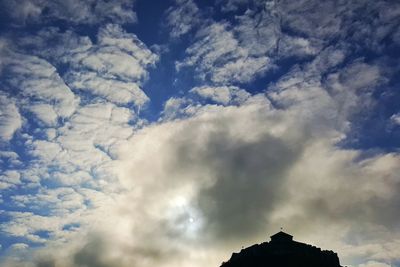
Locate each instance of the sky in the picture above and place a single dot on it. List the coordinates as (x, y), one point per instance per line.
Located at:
(173, 133)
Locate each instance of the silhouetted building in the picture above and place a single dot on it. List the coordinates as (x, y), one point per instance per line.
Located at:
(283, 251)
(281, 237)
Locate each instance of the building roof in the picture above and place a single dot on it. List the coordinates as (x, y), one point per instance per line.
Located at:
(282, 251)
(281, 236)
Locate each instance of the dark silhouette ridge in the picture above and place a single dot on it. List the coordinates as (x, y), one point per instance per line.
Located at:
(283, 251)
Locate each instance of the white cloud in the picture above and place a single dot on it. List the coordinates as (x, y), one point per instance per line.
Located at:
(352, 87)
(220, 152)
(45, 113)
(266, 32)
(9, 154)
(114, 68)
(84, 12)
(38, 81)
(242, 51)
(231, 5)
(324, 21)
(46, 151)
(303, 17)
(374, 264)
(327, 60)
(64, 43)
(167, 194)
(259, 30)
(296, 46)
(100, 123)
(9, 179)
(208, 159)
(70, 179)
(118, 55)
(81, 152)
(12, 177)
(360, 76)
(26, 10)
(26, 224)
(395, 118)
(222, 94)
(10, 118)
(177, 107)
(59, 201)
(105, 61)
(113, 90)
(217, 55)
(189, 172)
(20, 246)
(182, 18)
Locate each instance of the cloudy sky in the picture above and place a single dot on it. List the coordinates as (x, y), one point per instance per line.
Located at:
(172, 133)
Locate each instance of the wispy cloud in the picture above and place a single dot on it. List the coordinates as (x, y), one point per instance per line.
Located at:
(10, 118)
(183, 18)
(218, 56)
(87, 12)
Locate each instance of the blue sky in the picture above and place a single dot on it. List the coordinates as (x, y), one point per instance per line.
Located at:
(173, 133)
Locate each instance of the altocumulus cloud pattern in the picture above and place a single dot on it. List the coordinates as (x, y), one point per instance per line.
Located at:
(171, 133)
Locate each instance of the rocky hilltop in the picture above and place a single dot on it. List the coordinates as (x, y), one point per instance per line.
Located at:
(283, 251)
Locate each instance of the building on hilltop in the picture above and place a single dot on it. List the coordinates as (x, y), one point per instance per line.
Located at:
(283, 251)
(281, 237)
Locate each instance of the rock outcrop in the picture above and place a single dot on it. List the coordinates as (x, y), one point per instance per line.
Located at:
(283, 251)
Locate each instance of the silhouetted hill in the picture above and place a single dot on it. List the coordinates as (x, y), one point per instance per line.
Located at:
(283, 251)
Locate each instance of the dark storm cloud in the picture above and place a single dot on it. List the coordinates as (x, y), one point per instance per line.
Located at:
(92, 254)
(248, 176)
(46, 263)
(245, 178)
